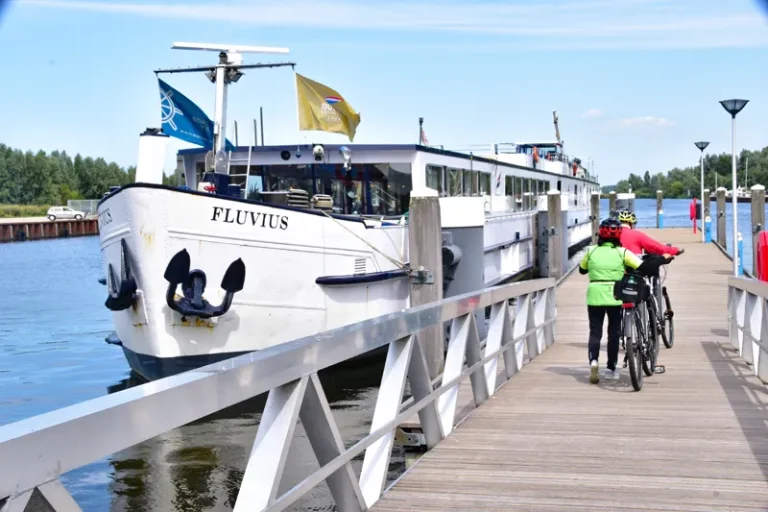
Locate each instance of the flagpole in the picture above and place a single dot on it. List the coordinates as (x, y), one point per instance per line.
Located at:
(298, 115)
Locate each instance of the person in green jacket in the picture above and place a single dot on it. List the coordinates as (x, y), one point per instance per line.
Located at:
(605, 263)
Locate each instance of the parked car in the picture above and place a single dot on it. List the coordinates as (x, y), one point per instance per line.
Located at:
(64, 212)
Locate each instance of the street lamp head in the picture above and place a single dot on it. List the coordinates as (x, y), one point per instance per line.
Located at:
(734, 106)
(702, 145)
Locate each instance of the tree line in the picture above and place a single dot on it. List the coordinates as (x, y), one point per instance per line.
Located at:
(685, 182)
(28, 178)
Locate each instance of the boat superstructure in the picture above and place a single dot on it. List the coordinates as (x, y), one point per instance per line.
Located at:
(292, 240)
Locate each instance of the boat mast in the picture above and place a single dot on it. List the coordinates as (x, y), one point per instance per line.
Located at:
(227, 71)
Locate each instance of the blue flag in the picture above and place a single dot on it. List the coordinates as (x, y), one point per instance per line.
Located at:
(182, 119)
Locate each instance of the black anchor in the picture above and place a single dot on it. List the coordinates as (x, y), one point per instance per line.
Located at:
(193, 285)
(122, 293)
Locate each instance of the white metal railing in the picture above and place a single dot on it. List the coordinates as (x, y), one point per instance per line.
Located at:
(748, 322)
(36, 452)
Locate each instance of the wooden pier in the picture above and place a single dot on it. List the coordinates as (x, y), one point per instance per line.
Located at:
(38, 228)
(693, 439)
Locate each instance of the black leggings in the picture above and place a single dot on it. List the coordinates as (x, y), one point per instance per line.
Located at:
(596, 317)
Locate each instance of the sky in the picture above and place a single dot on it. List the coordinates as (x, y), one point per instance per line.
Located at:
(635, 82)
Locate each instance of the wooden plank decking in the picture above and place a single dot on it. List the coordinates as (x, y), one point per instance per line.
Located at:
(694, 439)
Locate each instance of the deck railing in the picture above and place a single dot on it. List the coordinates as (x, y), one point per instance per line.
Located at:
(37, 451)
(748, 321)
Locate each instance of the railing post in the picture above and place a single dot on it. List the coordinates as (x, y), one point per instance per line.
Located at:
(758, 220)
(612, 204)
(707, 223)
(720, 196)
(659, 209)
(595, 214)
(556, 234)
(425, 244)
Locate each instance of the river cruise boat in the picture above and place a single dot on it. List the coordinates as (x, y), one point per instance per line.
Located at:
(256, 246)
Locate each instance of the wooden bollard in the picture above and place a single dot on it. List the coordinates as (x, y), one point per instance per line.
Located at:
(425, 246)
(659, 209)
(720, 197)
(612, 204)
(555, 234)
(594, 211)
(758, 219)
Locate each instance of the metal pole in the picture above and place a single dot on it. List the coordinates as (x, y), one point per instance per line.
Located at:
(237, 142)
(733, 198)
(255, 133)
(421, 130)
(701, 159)
(220, 109)
(261, 122)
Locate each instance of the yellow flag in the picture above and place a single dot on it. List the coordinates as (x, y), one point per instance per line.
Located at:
(321, 108)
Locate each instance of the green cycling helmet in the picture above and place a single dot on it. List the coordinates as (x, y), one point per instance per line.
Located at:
(626, 216)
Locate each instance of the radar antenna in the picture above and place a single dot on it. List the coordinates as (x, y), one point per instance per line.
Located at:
(227, 71)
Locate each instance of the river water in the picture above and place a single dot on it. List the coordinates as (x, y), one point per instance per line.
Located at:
(52, 354)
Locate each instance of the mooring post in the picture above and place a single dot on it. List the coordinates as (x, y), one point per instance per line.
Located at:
(425, 244)
(612, 204)
(720, 197)
(707, 222)
(758, 220)
(594, 205)
(659, 209)
(555, 234)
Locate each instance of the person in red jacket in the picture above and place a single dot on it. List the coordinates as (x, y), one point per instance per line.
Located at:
(637, 241)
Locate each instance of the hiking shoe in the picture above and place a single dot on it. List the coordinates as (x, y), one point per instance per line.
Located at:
(594, 376)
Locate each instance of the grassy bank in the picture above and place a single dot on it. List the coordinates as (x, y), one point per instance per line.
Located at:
(22, 210)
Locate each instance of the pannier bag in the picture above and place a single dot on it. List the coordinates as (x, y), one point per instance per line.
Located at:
(631, 289)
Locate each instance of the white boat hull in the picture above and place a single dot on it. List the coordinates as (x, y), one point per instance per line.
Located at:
(284, 251)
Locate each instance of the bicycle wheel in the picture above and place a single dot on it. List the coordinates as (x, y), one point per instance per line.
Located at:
(652, 345)
(668, 325)
(634, 354)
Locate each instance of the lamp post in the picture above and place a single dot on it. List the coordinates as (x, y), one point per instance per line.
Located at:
(702, 145)
(733, 107)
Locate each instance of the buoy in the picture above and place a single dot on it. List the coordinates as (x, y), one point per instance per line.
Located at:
(761, 265)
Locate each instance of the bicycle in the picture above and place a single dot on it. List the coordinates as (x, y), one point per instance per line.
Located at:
(666, 325)
(639, 328)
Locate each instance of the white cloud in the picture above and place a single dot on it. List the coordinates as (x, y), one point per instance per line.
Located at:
(592, 113)
(647, 120)
(602, 23)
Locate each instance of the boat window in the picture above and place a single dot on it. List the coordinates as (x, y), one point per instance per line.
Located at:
(526, 194)
(485, 184)
(454, 182)
(518, 194)
(284, 177)
(470, 183)
(390, 186)
(509, 190)
(435, 178)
